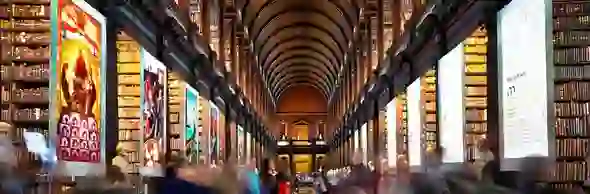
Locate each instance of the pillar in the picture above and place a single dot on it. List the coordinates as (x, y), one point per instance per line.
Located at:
(376, 133)
(112, 113)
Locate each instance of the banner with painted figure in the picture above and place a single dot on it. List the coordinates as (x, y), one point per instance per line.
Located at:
(76, 86)
(153, 109)
(192, 122)
(241, 144)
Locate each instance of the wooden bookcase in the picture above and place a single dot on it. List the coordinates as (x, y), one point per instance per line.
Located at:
(475, 80)
(571, 37)
(25, 40)
(129, 100)
(204, 126)
(176, 114)
(429, 110)
(403, 129)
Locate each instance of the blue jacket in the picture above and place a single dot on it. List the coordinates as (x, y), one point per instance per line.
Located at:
(253, 183)
(173, 185)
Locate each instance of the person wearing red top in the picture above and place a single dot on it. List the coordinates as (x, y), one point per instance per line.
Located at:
(284, 187)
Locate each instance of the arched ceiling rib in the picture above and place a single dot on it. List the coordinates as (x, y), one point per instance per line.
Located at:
(300, 34)
(297, 81)
(314, 51)
(301, 63)
(287, 43)
(295, 54)
(301, 71)
(300, 42)
(283, 90)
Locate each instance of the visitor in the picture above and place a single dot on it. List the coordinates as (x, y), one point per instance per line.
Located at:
(434, 171)
(226, 181)
(11, 182)
(252, 179)
(283, 177)
(531, 170)
(117, 178)
(360, 176)
(181, 178)
(268, 178)
(319, 183)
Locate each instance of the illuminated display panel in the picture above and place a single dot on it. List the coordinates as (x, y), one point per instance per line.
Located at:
(76, 86)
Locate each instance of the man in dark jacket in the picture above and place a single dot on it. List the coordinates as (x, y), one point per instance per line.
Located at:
(173, 184)
(532, 168)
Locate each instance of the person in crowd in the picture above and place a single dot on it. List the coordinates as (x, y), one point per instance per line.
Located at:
(434, 171)
(532, 169)
(283, 177)
(268, 178)
(360, 175)
(489, 175)
(396, 178)
(228, 175)
(319, 184)
(252, 179)
(355, 190)
(116, 177)
(387, 183)
(324, 177)
(99, 190)
(181, 178)
(120, 159)
(11, 181)
(483, 155)
(490, 172)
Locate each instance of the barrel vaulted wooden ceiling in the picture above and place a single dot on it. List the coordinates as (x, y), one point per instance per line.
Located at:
(300, 42)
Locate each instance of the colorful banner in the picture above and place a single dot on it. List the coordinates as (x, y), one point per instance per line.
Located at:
(241, 144)
(248, 146)
(153, 108)
(192, 122)
(77, 66)
(213, 136)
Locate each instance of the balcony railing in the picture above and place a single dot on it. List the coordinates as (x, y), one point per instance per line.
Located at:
(292, 142)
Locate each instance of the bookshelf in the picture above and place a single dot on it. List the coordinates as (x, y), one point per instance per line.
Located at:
(572, 83)
(398, 128)
(475, 50)
(176, 114)
(24, 71)
(195, 14)
(204, 119)
(429, 107)
(199, 130)
(129, 100)
(403, 129)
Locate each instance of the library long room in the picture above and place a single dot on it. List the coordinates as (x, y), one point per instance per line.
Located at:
(306, 92)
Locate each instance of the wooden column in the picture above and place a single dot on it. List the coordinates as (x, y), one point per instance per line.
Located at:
(360, 67)
(243, 64)
(233, 54)
(369, 48)
(239, 61)
(222, 37)
(377, 148)
(345, 90)
(380, 23)
(111, 85)
(349, 82)
(205, 26)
